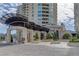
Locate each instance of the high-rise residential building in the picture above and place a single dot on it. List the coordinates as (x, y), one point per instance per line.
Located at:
(43, 14)
(76, 16)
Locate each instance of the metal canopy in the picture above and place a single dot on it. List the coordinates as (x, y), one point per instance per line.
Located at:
(20, 20)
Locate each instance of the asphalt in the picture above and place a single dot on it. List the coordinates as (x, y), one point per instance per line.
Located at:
(37, 50)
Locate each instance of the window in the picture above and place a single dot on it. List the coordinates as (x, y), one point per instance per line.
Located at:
(44, 22)
(45, 8)
(45, 11)
(39, 15)
(39, 8)
(32, 11)
(39, 4)
(39, 18)
(44, 18)
(32, 15)
(45, 15)
(39, 11)
(45, 4)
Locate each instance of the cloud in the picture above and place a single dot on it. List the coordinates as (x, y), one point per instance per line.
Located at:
(66, 15)
(3, 28)
(6, 8)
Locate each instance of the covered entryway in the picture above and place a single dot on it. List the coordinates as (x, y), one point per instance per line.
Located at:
(13, 36)
(25, 29)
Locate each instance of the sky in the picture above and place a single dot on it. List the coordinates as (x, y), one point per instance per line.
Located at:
(6, 8)
(65, 14)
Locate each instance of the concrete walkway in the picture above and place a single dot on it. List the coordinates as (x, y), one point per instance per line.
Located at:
(39, 49)
(31, 50)
(61, 45)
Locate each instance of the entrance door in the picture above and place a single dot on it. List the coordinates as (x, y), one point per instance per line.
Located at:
(28, 36)
(13, 36)
(42, 36)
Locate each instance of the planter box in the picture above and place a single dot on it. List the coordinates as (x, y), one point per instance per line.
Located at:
(64, 40)
(46, 40)
(74, 44)
(35, 41)
(55, 42)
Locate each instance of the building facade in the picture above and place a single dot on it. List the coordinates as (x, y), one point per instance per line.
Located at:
(32, 19)
(76, 16)
(41, 13)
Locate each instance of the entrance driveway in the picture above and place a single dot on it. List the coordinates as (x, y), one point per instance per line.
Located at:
(39, 49)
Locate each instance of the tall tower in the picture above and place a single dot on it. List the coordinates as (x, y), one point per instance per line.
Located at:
(76, 16)
(40, 13)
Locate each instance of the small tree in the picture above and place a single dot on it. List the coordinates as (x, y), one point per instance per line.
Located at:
(36, 37)
(2, 38)
(55, 36)
(78, 35)
(73, 39)
(48, 36)
(66, 36)
(11, 38)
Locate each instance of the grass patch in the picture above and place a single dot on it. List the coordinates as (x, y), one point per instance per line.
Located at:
(74, 40)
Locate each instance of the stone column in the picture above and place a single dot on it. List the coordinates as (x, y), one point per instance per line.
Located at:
(39, 35)
(44, 35)
(59, 34)
(24, 34)
(19, 36)
(8, 36)
(31, 35)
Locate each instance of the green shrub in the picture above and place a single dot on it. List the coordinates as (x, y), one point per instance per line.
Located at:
(36, 37)
(1, 38)
(48, 36)
(74, 39)
(11, 38)
(55, 36)
(66, 36)
(78, 35)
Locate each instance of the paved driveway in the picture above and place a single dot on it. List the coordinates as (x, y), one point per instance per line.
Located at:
(37, 50)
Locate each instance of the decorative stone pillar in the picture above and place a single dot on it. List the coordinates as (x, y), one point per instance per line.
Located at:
(19, 36)
(31, 35)
(24, 35)
(61, 33)
(44, 35)
(39, 35)
(8, 36)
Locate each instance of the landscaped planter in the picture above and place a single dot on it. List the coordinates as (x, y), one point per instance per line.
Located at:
(65, 40)
(35, 41)
(73, 44)
(46, 40)
(55, 42)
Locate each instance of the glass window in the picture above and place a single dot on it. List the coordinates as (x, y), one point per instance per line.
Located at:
(39, 8)
(39, 15)
(39, 4)
(39, 11)
(39, 18)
